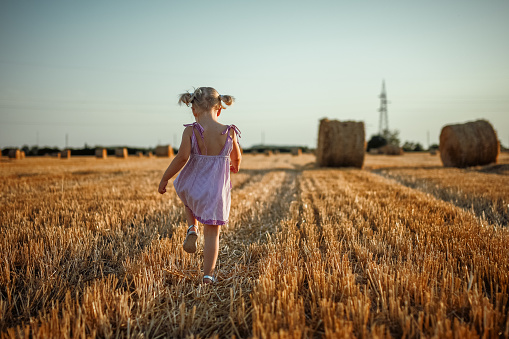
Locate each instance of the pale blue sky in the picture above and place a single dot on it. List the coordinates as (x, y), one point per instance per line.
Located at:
(109, 72)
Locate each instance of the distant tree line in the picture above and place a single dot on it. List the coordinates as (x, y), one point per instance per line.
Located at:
(86, 150)
(392, 138)
(42, 151)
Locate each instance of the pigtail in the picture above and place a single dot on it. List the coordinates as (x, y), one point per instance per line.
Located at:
(227, 99)
(186, 98)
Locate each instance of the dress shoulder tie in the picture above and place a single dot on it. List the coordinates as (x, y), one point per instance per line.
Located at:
(199, 128)
(196, 126)
(235, 128)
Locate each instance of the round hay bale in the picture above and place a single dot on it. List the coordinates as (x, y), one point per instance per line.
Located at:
(101, 153)
(65, 154)
(268, 152)
(14, 154)
(341, 143)
(473, 143)
(391, 150)
(296, 151)
(121, 152)
(164, 151)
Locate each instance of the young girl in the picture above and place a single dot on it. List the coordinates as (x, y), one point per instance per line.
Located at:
(204, 183)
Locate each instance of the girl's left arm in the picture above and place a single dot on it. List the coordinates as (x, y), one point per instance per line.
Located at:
(179, 161)
(235, 155)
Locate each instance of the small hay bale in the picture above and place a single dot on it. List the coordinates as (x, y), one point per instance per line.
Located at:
(341, 143)
(473, 143)
(433, 152)
(14, 154)
(150, 154)
(101, 153)
(391, 150)
(65, 154)
(139, 154)
(296, 151)
(165, 151)
(22, 155)
(55, 155)
(268, 152)
(121, 152)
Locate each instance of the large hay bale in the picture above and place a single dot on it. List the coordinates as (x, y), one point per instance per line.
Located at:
(121, 152)
(341, 143)
(101, 153)
(164, 151)
(14, 154)
(473, 143)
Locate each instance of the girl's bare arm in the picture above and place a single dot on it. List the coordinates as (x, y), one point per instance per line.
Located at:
(179, 161)
(235, 155)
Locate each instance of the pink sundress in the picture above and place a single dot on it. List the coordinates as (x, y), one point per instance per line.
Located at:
(204, 184)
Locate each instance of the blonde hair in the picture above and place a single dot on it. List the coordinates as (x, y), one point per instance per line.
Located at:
(206, 98)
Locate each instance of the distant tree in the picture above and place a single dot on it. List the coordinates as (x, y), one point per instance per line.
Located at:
(376, 141)
(408, 146)
(392, 137)
(34, 150)
(433, 146)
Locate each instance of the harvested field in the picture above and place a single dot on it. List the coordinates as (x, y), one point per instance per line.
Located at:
(88, 248)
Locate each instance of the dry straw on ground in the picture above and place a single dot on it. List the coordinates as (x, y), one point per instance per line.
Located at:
(89, 249)
(121, 152)
(164, 151)
(101, 153)
(340, 143)
(470, 144)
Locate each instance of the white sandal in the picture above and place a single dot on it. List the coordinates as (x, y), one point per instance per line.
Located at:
(209, 277)
(190, 241)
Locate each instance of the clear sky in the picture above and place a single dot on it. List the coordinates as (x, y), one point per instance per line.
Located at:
(109, 72)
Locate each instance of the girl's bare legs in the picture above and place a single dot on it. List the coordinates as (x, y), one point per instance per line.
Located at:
(210, 248)
(191, 220)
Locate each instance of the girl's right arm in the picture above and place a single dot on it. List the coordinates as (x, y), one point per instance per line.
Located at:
(179, 161)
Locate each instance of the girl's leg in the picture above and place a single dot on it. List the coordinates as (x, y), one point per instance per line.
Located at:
(191, 238)
(210, 248)
(191, 220)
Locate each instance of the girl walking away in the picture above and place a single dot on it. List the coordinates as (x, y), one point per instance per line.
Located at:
(211, 151)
